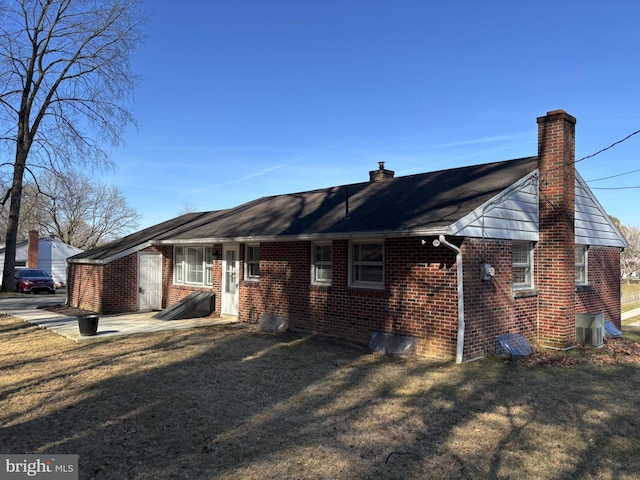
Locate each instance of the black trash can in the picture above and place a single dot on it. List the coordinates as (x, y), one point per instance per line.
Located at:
(88, 324)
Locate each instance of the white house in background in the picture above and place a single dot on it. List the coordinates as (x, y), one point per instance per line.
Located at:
(51, 256)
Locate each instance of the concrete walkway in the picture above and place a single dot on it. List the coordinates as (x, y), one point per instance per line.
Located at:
(26, 308)
(630, 314)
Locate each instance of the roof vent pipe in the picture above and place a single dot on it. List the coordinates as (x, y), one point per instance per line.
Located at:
(460, 346)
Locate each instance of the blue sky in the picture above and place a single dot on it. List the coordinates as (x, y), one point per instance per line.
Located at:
(247, 98)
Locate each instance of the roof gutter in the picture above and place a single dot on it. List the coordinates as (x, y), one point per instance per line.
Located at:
(301, 237)
(460, 346)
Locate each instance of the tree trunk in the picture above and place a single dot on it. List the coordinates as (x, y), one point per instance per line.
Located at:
(8, 280)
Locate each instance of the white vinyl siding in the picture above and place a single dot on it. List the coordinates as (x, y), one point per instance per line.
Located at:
(512, 214)
(593, 225)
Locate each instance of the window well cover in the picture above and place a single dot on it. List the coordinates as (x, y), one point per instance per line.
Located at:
(514, 344)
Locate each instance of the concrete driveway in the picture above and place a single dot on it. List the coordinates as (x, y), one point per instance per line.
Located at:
(25, 307)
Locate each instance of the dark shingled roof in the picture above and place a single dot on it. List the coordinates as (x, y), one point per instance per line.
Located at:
(413, 204)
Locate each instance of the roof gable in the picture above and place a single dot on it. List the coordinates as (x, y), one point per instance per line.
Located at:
(513, 215)
(593, 225)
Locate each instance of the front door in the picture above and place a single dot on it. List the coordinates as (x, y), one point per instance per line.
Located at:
(230, 266)
(149, 281)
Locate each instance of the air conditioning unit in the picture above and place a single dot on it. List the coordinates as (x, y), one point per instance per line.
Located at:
(590, 329)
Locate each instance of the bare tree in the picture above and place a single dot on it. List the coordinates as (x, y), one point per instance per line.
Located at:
(64, 79)
(84, 214)
(31, 212)
(630, 258)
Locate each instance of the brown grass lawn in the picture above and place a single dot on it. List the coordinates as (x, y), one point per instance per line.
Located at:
(232, 403)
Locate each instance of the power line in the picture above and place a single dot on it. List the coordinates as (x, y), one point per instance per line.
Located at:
(610, 146)
(615, 188)
(614, 176)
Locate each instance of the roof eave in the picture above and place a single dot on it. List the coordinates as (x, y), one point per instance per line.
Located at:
(305, 237)
(111, 258)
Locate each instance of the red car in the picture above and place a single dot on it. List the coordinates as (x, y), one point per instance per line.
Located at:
(34, 280)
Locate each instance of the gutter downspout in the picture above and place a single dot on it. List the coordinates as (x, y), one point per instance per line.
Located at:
(460, 346)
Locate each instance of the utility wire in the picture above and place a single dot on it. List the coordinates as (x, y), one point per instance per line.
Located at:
(610, 146)
(615, 188)
(613, 176)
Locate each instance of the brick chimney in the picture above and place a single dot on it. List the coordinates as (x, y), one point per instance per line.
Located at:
(555, 265)
(32, 249)
(380, 174)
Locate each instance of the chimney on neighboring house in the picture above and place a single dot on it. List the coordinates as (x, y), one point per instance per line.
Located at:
(32, 249)
(380, 174)
(554, 268)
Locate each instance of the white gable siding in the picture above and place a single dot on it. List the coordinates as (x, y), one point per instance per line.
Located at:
(512, 214)
(593, 226)
(52, 257)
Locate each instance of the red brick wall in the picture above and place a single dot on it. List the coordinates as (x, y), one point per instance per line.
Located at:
(555, 272)
(84, 286)
(419, 298)
(602, 292)
(112, 287)
(491, 309)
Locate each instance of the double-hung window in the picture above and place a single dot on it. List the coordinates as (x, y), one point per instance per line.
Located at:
(321, 267)
(208, 265)
(581, 265)
(252, 262)
(366, 264)
(522, 265)
(193, 266)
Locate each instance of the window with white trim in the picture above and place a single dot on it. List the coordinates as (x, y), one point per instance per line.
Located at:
(321, 266)
(252, 262)
(366, 264)
(208, 265)
(581, 265)
(193, 265)
(522, 265)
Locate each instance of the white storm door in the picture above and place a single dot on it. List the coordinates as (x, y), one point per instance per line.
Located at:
(230, 266)
(149, 281)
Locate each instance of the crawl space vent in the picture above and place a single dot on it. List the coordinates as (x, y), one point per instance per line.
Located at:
(610, 330)
(514, 345)
(392, 343)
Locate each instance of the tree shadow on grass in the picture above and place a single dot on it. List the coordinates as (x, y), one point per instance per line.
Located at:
(219, 403)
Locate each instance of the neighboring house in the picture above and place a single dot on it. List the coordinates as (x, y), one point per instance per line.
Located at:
(48, 253)
(453, 258)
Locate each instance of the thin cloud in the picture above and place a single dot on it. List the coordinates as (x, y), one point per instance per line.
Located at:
(241, 179)
(475, 141)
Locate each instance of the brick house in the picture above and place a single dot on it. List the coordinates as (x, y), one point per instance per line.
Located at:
(453, 258)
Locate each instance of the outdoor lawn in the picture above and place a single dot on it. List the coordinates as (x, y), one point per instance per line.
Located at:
(233, 403)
